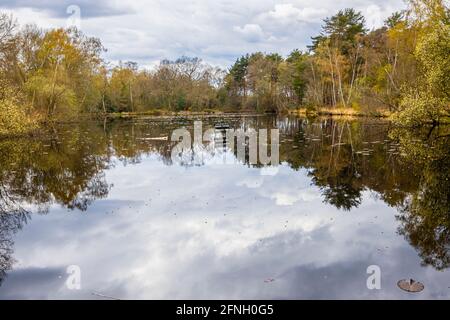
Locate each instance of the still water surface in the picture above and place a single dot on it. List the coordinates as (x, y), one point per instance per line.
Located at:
(106, 196)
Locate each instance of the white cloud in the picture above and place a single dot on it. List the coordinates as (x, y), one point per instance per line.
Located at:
(288, 12)
(376, 15)
(250, 32)
(290, 198)
(219, 31)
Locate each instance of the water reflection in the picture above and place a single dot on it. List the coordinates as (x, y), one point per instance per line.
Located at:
(425, 212)
(343, 160)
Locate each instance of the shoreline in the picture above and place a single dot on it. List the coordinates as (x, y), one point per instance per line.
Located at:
(349, 112)
(164, 114)
(300, 111)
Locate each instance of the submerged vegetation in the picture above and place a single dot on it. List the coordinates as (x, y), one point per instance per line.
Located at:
(402, 69)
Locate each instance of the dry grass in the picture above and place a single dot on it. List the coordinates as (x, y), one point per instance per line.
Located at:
(341, 112)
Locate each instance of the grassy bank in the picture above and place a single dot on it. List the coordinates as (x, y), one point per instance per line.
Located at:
(162, 112)
(301, 111)
(340, 112)
(444, 117)
(29, 126)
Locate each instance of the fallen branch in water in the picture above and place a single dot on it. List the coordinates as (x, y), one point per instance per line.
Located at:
(104, 296)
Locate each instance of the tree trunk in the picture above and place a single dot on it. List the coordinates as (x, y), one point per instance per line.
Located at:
(52, 103)
(334, 99)
(341, 92)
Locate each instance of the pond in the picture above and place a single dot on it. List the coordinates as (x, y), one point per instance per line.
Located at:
(107, 200)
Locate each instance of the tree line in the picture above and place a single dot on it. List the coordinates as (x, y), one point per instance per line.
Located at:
(402, 67)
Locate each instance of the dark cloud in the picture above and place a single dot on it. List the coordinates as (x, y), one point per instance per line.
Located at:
(59, 9)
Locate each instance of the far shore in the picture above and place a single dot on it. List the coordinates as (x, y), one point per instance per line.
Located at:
(341, 113)
(349, 112)
(299, 111)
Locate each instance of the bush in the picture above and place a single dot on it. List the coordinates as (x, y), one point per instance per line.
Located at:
(431, 101)
(419, 108)
(13, 118)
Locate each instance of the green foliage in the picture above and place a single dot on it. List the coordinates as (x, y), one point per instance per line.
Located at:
(425, 219)
(429, 100)
(13, 117)
(342, 29)
(299, 64)
(418, 108)
(433, 52)
(181, 103)
(267, 82)
(395, 19)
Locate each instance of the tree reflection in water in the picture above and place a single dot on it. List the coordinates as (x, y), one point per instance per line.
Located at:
(425, 214)
(407, 170)
(12, 219)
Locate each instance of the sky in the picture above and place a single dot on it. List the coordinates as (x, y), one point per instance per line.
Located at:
(219, 31)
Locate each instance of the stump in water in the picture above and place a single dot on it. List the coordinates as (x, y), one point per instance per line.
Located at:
(410, 286)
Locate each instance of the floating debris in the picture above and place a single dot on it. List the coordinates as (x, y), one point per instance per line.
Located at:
(339, 144)
(222, 126)
(155, 139)
(103, 296)
(410, 286)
